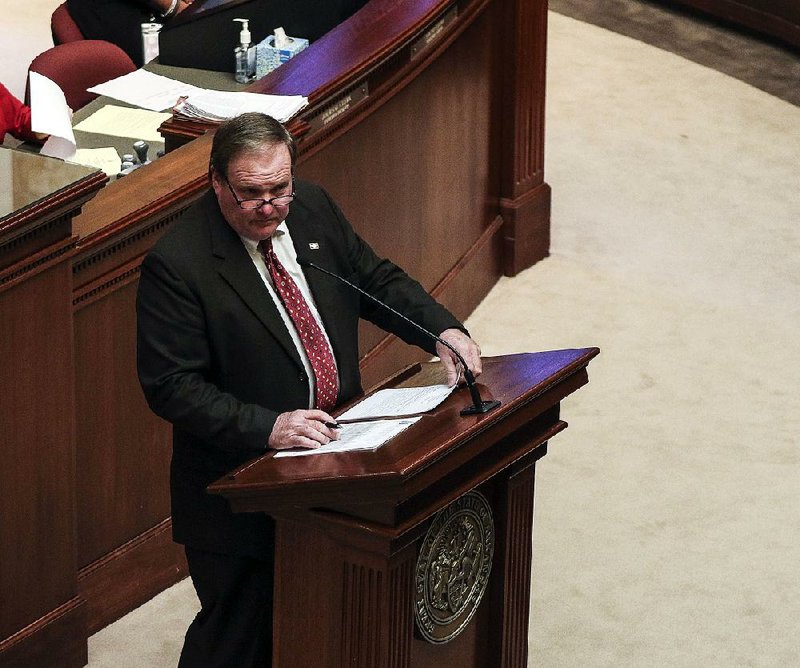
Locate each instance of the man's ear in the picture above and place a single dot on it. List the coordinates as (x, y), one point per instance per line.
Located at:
(216, 180)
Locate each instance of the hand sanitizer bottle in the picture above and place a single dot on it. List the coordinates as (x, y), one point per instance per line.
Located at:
(245, 55)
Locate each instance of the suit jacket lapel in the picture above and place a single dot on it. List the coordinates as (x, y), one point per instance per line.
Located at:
(234, 264)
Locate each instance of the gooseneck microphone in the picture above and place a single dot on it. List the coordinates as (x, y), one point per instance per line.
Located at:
(479, 406)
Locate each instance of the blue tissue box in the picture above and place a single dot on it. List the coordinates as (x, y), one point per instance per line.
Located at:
(268, 57)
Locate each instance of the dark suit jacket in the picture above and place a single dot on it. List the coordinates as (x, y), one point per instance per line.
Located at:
(216, 360)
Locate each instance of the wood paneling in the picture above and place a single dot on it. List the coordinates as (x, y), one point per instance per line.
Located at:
(350, 526)
(425, 124)
(42, 620)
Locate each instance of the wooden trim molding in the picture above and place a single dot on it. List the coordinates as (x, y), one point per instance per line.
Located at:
(56, 640)
(130, 575)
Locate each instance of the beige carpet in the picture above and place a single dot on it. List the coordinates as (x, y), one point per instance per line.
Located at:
(668, 514)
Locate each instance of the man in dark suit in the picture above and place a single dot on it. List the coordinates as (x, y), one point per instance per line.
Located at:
(222, 358)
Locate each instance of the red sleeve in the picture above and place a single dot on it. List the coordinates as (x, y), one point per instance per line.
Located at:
(15, 117)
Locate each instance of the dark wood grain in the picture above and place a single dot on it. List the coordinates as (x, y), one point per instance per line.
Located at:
(349, 525)
(42, 619)
(436, 156)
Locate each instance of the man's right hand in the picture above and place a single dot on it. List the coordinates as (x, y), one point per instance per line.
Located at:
(302, 429)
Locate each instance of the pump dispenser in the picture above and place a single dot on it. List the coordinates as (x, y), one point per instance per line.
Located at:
(245, 55)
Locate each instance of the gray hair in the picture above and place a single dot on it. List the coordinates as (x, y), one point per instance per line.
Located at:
(243, 134)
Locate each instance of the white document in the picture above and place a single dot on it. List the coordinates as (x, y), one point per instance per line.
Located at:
(215, 105)
(50, 115)
(399, 401)
(360, 436)
(157, 93)
(106, 159)
(125, 122)
(145, 89)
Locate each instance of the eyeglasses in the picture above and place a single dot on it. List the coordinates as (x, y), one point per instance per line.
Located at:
(249, 204)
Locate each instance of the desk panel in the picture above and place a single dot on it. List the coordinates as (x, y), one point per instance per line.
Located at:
(425, 122)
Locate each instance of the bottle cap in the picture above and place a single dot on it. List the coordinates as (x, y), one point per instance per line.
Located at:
(244, 35)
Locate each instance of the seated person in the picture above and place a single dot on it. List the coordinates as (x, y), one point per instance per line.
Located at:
(120, 21)
(15, 118)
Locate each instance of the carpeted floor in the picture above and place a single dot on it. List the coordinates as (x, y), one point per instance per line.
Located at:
(668, 514)
(755, 59)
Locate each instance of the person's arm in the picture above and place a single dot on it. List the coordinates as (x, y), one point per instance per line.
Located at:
(174, 364)
(17, 117)
(389, 283)
(166, 9)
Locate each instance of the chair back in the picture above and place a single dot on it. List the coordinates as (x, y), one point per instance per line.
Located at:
(76, 66)
(63, 27)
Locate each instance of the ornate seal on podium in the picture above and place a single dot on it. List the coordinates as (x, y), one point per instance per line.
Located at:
(453, 567)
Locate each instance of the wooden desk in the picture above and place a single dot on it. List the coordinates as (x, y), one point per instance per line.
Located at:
(39, 604)
(426, 124)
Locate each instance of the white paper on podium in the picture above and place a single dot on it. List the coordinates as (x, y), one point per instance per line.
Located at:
(359, 436)
(399, 401)
(51, 115)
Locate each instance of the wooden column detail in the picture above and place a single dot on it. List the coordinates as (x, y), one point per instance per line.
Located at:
(525, 197)
(513, 566)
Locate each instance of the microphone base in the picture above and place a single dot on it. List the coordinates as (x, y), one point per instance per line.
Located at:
(485, 407)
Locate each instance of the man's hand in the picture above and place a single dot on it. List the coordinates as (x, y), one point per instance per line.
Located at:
(302, 429)
(466, 347)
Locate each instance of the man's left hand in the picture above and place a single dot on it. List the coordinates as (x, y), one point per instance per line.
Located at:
(466, 347)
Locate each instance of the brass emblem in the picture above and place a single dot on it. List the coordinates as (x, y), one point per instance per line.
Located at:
(453, 567)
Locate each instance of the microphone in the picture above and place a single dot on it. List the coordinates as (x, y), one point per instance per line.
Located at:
(479, 406)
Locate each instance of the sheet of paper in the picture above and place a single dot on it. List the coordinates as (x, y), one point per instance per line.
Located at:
(399, 401)
(145, 89)
(125, 122)
(50, 115)
(360, 436)
(106, 159)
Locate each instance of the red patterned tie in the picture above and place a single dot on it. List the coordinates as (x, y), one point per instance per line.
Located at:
(318, 351)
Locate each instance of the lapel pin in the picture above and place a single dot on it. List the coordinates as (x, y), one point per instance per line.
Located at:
(313, 245)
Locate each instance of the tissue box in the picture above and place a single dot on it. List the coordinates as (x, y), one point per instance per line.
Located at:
(268, 57)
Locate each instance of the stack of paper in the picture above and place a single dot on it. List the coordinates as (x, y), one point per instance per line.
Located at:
(157, 93)
(216, 106)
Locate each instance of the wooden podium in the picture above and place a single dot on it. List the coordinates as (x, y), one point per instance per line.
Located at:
(417, 553)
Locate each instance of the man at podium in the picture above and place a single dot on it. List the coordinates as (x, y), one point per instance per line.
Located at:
(244, 351)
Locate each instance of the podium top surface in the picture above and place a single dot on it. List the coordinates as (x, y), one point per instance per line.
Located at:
(527, 385)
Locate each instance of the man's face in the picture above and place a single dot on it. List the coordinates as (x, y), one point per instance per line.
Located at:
(263, 173)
